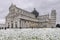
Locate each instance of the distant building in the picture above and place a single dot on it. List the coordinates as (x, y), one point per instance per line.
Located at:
(19, 18)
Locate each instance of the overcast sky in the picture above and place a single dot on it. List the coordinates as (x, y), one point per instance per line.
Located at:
(42, 6)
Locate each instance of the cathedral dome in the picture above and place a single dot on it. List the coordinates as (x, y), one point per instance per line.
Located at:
(35, 13)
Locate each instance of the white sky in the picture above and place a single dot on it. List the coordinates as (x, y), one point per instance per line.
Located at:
(42, 6)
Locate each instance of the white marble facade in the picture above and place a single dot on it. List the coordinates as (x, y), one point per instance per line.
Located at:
(19, 18)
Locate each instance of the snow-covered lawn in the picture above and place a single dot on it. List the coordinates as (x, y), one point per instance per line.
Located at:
(30, 34)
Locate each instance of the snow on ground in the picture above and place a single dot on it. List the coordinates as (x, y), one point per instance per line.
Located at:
(30, 34)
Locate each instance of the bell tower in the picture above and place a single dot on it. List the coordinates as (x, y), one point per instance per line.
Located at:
(53, 14)
(53, 18)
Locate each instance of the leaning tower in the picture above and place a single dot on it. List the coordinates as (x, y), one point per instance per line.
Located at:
(53, 18)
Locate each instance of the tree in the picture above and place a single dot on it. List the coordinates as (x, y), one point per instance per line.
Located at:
(58, 25)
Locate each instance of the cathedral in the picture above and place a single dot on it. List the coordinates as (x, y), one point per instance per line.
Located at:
(19, 18)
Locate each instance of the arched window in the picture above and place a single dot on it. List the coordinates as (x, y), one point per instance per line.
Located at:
(11, 24)
(16, 24)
